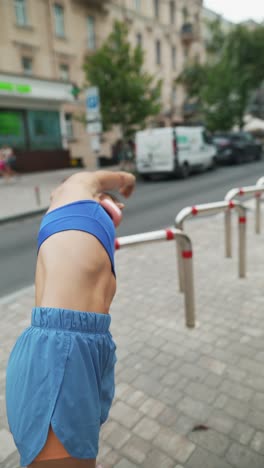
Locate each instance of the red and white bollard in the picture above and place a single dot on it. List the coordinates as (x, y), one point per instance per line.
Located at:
(187, 263)
(37, 195)
(211, 208)
(256, 191)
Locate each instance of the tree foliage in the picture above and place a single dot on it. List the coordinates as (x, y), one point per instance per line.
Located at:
(225, 83)
(128, 94)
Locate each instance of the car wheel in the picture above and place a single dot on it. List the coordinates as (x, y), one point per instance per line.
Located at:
(185, 171)
(258, 156)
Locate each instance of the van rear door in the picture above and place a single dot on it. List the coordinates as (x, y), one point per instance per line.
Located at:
(154, 150)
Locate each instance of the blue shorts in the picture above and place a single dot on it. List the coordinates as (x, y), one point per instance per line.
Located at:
(60, 373)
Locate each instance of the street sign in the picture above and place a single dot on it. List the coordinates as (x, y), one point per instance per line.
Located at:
(95, 143)
(92, 103)
(94, 127)
(93, 116)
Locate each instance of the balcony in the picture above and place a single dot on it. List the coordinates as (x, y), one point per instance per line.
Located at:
(188, 33)
(98, 4)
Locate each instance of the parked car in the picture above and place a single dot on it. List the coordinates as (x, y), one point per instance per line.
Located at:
(237, 147)
(168, 150)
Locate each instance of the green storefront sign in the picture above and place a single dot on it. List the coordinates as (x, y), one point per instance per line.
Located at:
(15, 88)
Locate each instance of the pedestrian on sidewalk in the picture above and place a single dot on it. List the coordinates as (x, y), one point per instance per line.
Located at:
(60, 374)
(3, 167)
(10, 160)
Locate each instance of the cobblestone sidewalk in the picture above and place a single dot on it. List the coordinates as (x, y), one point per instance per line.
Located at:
(171, 379)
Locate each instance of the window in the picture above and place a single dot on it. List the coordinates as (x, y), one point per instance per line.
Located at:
(27, 65)
(174, 96)
(197, 58)
(156, 8)
(91, 32)
(173, 57)
(44, 129)
(64, 72)
(139, 40)
(158, 52)
(12, 130)
(137, 4)
(69, 126)
(59, 20)
(172, 12)
(21, 12)
(186, 51)
(185, 14)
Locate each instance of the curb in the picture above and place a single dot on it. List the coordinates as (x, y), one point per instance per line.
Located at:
(21, 216)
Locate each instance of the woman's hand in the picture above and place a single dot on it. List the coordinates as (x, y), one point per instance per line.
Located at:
(103, 181)
(128, 185)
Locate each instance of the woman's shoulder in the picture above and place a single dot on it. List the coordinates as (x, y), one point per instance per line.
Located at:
(71, 189)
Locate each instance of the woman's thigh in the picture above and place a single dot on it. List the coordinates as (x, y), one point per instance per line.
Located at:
(64, 463)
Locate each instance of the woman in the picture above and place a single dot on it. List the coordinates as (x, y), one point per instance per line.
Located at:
(60, 375)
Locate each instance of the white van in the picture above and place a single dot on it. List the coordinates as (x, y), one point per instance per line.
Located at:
(178, 151)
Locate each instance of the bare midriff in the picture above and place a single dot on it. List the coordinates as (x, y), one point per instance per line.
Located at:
(73, 269)
(74, 272)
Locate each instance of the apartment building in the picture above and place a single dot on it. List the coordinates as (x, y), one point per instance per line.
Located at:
(43, 44)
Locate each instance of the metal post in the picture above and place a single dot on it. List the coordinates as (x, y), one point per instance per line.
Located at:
(242, 246)
(222, 206)
(187, 257)
(37, 194)
(228, 234)
(186, 254)
(255, 190)
(180, 264)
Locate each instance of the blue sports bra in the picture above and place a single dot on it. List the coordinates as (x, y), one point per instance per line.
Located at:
(84, 215)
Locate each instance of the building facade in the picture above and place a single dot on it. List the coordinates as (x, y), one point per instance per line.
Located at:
(43, 44)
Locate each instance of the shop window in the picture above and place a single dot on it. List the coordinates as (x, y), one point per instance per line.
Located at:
(64, 72)
(158, 52)
(12, 132)
(21, 12)
(59, 20)
(69, 126)
(91, 42)
(44, 129)
(27, 65)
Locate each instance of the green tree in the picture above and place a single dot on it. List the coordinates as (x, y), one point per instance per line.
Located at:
(223, 86)
(129, 95)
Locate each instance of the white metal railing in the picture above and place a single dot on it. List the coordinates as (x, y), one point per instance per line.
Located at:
(187, 261)
(254, 190)
(211, 208)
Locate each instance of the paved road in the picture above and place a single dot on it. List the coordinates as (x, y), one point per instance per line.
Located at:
(153, 206)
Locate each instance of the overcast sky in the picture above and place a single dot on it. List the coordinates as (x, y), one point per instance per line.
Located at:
(238, 10)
